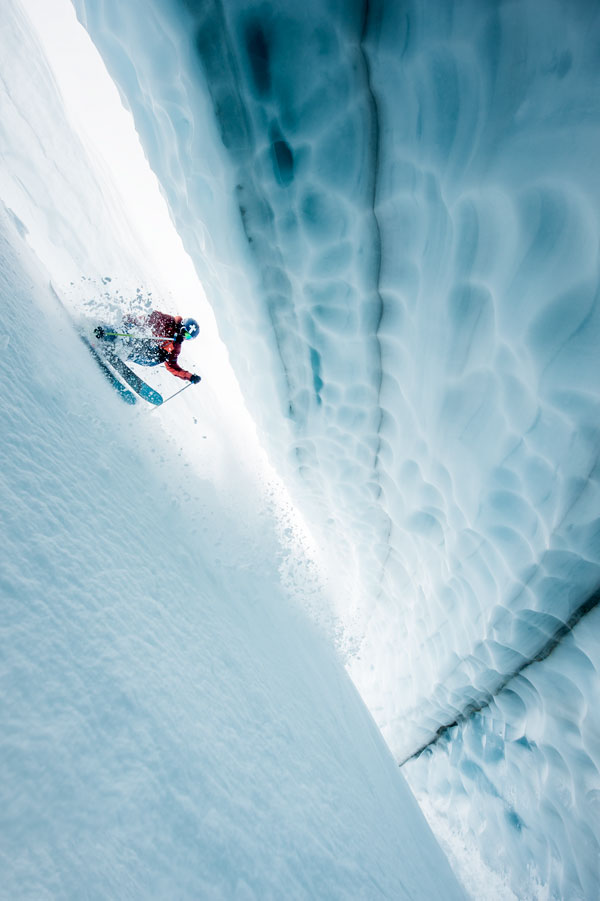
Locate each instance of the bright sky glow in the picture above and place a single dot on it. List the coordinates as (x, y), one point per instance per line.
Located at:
(106, 129)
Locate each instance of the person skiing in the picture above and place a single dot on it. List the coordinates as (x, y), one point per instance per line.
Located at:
(162, 344)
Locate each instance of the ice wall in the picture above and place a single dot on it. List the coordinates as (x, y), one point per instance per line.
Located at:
(395, 209)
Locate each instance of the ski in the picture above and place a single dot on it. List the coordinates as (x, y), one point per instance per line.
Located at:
(132, 379)
(109, 375)
(124, 393)
(105, 356)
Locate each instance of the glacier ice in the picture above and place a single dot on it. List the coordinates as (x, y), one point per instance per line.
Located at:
(394, 209)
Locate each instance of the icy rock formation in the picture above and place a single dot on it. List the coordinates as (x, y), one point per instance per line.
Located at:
(395, 208)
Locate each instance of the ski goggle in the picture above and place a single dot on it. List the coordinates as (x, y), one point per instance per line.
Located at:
(189, 328)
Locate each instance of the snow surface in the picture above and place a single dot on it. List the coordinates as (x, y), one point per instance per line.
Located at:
(173, 725)
(394, 209)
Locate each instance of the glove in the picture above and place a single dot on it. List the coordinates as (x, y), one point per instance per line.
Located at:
(99, 331)
(195, 379)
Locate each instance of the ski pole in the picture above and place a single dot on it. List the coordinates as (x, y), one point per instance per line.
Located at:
(189, 385)
(140, 337)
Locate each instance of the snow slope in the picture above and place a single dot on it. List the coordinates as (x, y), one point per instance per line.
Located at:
(395, 209)
(172, 726)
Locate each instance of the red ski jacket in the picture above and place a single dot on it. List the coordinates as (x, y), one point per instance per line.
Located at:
(163, 325)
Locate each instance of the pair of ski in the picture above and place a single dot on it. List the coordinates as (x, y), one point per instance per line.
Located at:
(110, 364)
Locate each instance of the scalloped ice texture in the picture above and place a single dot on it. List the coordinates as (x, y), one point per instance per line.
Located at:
(394, 210)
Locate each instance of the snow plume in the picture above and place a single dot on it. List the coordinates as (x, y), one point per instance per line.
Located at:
(395, 211)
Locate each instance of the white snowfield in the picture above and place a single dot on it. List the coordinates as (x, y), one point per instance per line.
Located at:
(394, 210)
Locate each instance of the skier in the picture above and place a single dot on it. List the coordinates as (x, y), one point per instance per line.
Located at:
(162, 345)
